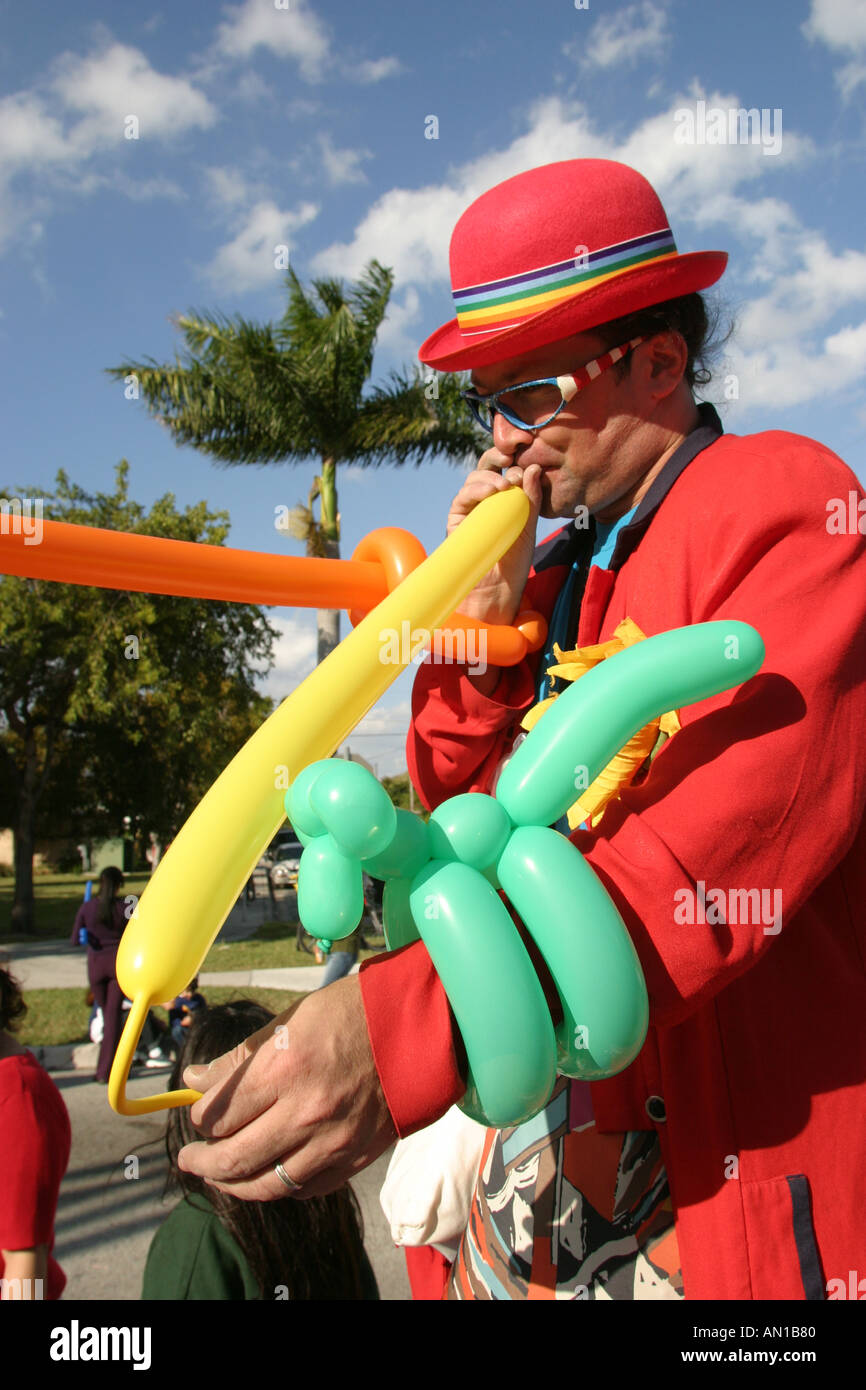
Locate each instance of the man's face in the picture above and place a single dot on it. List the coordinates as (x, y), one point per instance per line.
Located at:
(598, 447)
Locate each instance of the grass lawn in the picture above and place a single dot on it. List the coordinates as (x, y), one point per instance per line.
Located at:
(58, 898)
(273, 946)
(59, 1016)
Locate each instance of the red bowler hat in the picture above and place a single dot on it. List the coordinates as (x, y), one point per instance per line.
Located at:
(556, 251)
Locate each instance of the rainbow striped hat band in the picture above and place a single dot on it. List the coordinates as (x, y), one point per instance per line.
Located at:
(505, 303)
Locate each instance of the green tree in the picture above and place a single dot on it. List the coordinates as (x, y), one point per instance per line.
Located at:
(403, 794)
(116, 703)
(249, 393)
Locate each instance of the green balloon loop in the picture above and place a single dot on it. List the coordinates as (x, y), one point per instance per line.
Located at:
(354, 807)
(330, 890)
(593, 963)
(597, 715)
(492, 988)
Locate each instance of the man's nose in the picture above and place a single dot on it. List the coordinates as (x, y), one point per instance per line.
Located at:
(507, 437)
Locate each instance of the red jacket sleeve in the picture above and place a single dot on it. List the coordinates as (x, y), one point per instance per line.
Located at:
(458, 736)
(416, 1046)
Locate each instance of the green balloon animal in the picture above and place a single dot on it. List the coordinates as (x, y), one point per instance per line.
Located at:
(443, 878)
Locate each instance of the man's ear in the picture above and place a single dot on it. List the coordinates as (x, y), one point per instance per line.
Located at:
(665, 363)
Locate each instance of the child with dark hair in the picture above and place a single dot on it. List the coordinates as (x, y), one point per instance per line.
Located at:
(213, 1246)
(35, 1139)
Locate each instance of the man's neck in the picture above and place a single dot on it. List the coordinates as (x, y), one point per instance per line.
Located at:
(635, 495)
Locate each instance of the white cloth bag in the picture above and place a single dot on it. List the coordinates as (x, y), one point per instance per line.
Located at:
(430, 1182)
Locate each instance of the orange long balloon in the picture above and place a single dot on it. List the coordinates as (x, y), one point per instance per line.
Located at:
(89, 555)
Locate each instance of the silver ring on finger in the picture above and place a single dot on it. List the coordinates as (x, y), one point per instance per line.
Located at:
(284, 1178)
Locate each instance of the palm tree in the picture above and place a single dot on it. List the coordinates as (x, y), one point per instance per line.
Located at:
(249, 393)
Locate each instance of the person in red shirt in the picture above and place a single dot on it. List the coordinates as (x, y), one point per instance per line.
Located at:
(35, 1139)
(744, 1113)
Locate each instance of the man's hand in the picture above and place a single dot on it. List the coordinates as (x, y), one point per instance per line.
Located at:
(303, 1092)
(496, 597)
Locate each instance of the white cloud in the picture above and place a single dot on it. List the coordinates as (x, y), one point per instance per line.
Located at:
(227, 186)
(356, 473)
(301, 108)
(295, 32)
(407, 229)
(29, 133)
(52, 134)
(784, 354)
(815, 285)
(787, 373)
(386, 719)
(341, 166)
(399, 332)
(247, 261)
(118, 82)
(381, 735)
(374, 69)
(294, 653)
(841, 25)
(143, 190)
(624, 39)
(251, 89)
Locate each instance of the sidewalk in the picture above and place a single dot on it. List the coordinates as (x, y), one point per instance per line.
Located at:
(60, 965)
(57, 965)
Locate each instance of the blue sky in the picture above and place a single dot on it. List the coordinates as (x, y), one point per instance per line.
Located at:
(305, 126)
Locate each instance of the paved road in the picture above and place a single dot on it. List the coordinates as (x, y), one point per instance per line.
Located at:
(105, 1221)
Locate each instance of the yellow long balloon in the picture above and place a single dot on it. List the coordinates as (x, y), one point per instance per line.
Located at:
(182, 908)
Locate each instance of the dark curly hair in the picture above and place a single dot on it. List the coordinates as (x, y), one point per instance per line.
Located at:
(699, 324)
(12, 1006)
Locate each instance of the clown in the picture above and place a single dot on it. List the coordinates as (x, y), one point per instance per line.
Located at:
(725, 1161)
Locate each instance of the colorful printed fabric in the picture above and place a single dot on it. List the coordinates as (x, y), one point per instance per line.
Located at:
(564, 1212)
(509, 301)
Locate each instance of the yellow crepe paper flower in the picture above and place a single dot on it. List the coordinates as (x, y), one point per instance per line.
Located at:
(622, 769)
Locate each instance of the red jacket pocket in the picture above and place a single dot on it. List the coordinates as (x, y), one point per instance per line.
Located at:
(782, 1251)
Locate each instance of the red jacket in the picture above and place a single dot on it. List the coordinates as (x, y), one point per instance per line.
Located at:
(757, 1040)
